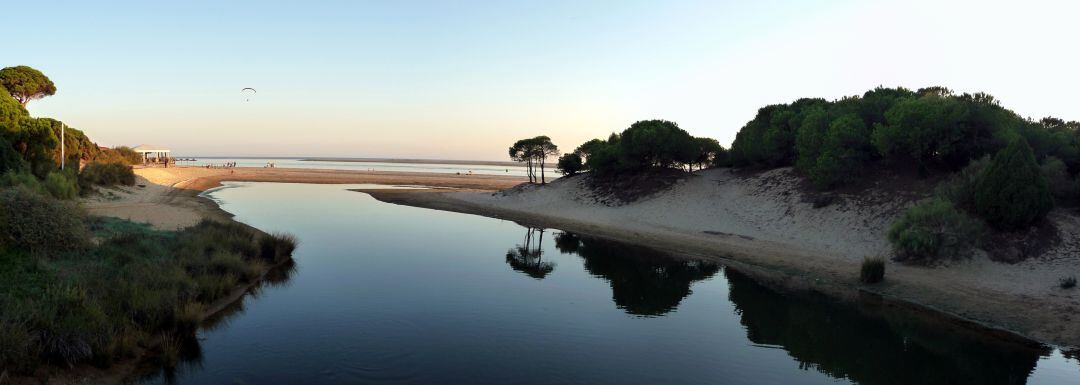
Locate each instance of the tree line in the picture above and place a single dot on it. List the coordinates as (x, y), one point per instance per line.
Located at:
(1004, 171)
(647, 144)
(30, 147)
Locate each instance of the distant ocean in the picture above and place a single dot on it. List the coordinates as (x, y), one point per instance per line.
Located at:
(399, 165)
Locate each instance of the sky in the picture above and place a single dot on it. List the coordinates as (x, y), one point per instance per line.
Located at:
(463, 80)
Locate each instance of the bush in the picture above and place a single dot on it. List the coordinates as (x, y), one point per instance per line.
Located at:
(60, 185)
(932, 231)
(845, 149)
(873, 270)
(10, 160)
(570, 164)
(39, 224)
(274, 248)
(106, 174)
(1057, 176)
(1012, 193)
(128, 155)
(960, 189)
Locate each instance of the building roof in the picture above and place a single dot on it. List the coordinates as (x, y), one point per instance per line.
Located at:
(150, 148)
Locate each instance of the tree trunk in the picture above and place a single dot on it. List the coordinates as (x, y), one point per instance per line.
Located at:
(528, 169)
(543, 179)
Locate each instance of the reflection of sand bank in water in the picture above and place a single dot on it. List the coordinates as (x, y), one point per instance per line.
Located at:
(765, 221)
(167, 198)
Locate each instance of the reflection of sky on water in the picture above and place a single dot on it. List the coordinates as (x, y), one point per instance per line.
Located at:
(393, 294)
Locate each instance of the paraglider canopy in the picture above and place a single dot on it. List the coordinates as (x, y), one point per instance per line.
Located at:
(247, 92)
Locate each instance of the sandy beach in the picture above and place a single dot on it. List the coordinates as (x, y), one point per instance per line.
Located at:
(167, 198)
(763, 222)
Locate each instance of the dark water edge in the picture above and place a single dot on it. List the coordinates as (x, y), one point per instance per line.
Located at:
(867, 341)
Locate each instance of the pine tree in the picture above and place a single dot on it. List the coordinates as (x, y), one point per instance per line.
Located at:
(1012, 194)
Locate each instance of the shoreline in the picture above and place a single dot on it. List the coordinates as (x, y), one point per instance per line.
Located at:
(168, 191)
(789, 268)
(170, 199)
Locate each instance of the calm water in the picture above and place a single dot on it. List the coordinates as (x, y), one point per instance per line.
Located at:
(385, 294)
(375, 166)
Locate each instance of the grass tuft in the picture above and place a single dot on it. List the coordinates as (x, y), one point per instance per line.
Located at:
(873, 270)
(1067, 282)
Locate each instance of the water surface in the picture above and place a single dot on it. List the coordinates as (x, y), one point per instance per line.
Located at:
(386, 294)
(432, 167)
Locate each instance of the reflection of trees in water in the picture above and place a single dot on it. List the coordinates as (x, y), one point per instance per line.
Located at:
(190, 352)
(643, 281)
(876, 345)
(528, 257)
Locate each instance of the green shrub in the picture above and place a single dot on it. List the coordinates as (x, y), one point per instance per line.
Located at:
(1012, 193)
(105, 174)
(570, 164)
(1062, 186)
(960, 188)
(845, 149)
(275, 247)
(60, 185)
(39, 224)
(10, 160)
(21, 178)
(873, 270)
(932, 231)
(128, 155)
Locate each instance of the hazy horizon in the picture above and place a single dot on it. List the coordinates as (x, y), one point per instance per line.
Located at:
(463, 81)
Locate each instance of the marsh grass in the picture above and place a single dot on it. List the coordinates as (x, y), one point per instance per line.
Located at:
(98, 303)
(873, 270)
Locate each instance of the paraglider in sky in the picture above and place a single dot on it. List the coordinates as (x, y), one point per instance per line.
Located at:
(247, 93)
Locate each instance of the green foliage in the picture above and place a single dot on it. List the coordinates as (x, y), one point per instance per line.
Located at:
(707, 152)
(1012, 193)
(105, 174)
(605, 158)
(534, 152)
(26, 84)
(570, 164)
(9, 159)
(38, 224)
(276, 247)
(655, 143)
(932, 129)
(650, 144)
(1057, 176)
(128, 155)
(61, 185)
(137, 285)
(960, 188)
(932, 231)
(872, 270)
(844, 150)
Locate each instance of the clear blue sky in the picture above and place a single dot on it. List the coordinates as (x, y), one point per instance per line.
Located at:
(464, 79)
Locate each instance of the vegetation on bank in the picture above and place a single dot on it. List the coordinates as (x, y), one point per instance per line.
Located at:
(69, 300)
(534, 152)
(81, 290)
(1004, 173)
(645, 145)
